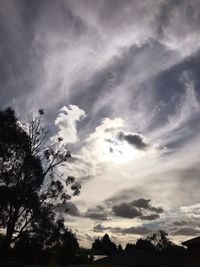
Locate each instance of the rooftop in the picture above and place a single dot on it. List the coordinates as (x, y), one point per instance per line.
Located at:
(193, 241)
(137, 257)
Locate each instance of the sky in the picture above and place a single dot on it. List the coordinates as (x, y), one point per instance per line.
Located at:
(119, 81)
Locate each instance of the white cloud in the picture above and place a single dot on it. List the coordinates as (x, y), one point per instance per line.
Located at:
(66, 123)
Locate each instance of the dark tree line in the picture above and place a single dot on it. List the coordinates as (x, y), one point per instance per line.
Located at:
(156, 243)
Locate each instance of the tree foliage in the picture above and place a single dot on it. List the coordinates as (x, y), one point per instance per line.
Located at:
(59, 245)
(30, 184)
(145, 244)
(160, 244)
(104, 246)
(160, 240)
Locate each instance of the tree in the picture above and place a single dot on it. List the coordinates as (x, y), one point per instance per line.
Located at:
(30, 184)
(160, 240)
(164, 246)
(108, 246)
(97, 247)
(129, 247)
(68, 249)
(119, 248)
(145, 244)
(104, 246)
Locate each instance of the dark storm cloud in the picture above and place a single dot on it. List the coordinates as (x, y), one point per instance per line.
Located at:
(139, 208)
(140, 230)
(135, 140)
(97, 213)
(187, 231)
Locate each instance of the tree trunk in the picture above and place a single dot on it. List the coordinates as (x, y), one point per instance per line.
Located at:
(9, 235)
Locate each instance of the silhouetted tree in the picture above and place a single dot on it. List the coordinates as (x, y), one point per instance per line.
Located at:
(145, 244)
(56, 244)
(119, 249)
(28, 249)
(108, 246)
(97, 247)
(30, 187)
(129, 247)
(160, 240)
(68, 248)
(104, 246)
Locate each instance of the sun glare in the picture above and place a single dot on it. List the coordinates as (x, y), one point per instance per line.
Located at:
(121, 152)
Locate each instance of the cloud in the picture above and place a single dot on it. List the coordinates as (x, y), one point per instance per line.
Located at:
(145, 204)
(126, 210)
(187, 220)
(97, 213)
(186, 231)
(180, 223)
(140, 230)
(66, 123)
(135, 140)
(139, 208)
(81, 167)
(122, 196)
(149, 217)
(179, 20)
(141, 203)
(193, 209)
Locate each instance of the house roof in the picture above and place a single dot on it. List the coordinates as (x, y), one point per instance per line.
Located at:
(193, 241)
(136, 258)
